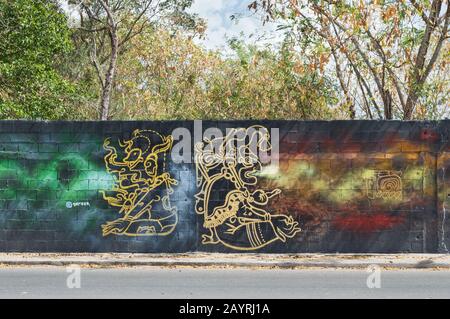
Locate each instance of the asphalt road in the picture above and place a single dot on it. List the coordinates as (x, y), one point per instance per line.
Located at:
(151, 282)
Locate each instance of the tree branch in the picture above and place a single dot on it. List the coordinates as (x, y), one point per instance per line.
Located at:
(417, 78)
(392, 75)
(438, 48)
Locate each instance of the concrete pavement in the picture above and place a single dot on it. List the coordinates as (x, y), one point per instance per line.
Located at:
(156, 282)
(231, 260)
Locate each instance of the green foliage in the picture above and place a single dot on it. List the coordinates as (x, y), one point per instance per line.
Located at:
(33, 37)
(264, 83)
(167, 76)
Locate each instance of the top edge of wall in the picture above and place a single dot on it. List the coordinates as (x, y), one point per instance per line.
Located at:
(227, 120)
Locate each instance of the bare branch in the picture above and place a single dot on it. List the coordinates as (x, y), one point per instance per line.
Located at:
(443, 36)
(392, 75)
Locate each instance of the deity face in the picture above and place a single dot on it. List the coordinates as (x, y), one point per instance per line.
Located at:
(135, 151)
(134, 156)
(151, 165)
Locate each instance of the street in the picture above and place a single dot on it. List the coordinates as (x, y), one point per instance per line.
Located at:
(153, 282)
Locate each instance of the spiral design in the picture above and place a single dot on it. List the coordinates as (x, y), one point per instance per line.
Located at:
(390, 183)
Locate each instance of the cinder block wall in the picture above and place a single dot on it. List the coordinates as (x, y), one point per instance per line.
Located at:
(340, 186)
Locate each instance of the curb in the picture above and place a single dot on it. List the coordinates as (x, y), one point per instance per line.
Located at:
(415, 261)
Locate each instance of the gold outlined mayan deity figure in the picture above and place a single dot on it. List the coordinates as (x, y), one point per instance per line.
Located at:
(142, 186)
(385, 185)
(237, 218)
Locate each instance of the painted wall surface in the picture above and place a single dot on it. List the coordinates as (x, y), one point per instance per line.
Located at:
(339, 186)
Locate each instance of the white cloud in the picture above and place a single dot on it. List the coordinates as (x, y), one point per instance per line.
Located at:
(217, 14)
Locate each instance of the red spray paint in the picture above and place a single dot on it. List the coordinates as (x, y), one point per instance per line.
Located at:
(367, 223)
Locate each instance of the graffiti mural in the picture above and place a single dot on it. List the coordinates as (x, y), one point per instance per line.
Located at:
(239, 220)
(142, 187)
(119, 186)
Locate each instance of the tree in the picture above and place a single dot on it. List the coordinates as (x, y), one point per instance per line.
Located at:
(160, 77)
(34, 36)
(385, 55)
(269, 83)
(107, 26)
(165, 75)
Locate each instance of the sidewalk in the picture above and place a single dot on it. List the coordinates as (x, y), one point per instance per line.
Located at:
(228, 260)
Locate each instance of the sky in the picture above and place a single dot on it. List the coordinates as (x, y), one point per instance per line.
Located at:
(220, 26)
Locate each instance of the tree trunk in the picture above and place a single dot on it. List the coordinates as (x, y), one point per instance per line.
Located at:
(387, 104)
(410, 105)
(109, 78)
(110, 73)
